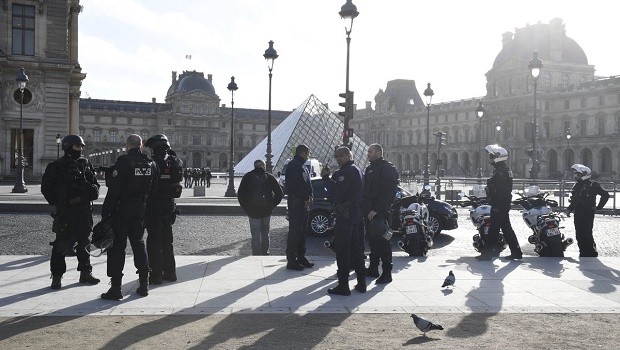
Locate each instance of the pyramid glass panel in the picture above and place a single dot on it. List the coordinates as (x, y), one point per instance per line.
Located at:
(312, 124)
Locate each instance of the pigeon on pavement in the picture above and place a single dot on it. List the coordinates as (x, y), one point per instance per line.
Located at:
(424, 325)
(449, 281)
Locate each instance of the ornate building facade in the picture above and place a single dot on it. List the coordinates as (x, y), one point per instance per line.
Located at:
(571, 100)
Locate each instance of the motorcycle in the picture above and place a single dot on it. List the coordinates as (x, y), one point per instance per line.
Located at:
(537, 213)
(480, 216)
(417, 237)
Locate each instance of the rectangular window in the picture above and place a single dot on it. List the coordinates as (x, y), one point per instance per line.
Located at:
(601, 100)
(113, 120)
(601, 127)
(113, 134)
(97, 120)
(584, 102)
(547, 127)
(566, 125)
(547, 105)
(23, 30)
(567, 104)
(145, 135)
(129, 120)
(196, 139)
(582, 127)
(97, 134)
(209, 139)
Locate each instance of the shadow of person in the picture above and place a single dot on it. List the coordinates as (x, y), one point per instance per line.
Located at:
(23, 263)
(605, 279)
(549, 266)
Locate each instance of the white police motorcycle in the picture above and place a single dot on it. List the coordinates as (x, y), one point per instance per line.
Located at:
(480, 216)
(417, 237)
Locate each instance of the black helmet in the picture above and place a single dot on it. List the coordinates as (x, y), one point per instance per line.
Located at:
(70, 140)
(157, 141)
(103, 237)
(378, 227)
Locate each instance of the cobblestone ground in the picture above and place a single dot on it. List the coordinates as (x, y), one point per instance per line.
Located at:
(229, 235)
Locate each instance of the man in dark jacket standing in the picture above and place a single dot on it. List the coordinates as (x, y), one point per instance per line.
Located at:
(345, 189)
(499, 192)
(380, 185)
(132, 178)
(299, 190)
(69, 184)
(258, 193)
(583, 203)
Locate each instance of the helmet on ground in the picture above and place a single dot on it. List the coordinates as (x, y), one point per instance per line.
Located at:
(378, 227)
(156, 141)
(103, 237)
(581, 171)
(497, 153)
(70, 140)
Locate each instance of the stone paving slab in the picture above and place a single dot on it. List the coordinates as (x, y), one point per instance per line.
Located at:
(262, 284)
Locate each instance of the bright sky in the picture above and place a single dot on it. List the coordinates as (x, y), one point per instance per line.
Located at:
(128, 48)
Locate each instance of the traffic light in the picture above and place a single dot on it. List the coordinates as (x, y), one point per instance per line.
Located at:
(347, 104)
(441, 139)
(348, 132)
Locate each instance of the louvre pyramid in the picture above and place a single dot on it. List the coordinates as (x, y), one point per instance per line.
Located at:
(312, 124)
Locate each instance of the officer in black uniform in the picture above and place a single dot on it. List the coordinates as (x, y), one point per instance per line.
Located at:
(380, 186)
(69, 184)
(132, 178)
(583, 203)
(299, 190)
(345, 189)
(499, 192)
(161, 210)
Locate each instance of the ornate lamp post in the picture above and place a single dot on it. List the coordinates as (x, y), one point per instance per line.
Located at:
(428, 93)
(58, 145)
(230, 191)
(480, 113)
(498, 128)
(20, 185)
(535, 65)
(348, 12)
(568, 136)
(270, 55)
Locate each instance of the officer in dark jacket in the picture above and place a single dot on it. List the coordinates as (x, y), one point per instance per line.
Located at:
(499, 193)
(69, 184)
(583, 203)
(132, 178)
(161, 210)
(299, 190)
(345, 189)
(259, 192)
(380, 186)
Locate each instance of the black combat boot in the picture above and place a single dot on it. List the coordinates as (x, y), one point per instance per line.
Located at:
(56, 282)
(143, 289)
(361, 284)
(114, 293)
(386, 276)
(155, 279)
(341, 289)
(86, 276)
(373, 269)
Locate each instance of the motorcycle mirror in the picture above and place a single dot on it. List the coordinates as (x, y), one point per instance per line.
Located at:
(462, 195)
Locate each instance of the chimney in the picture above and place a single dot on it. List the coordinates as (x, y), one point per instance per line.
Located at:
(154, 100)
(368, 105)
(210, 78)
(174, 77)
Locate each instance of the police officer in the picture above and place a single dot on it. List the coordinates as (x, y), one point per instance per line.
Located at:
(70, 185)
(299, 190)
(380, 185)
(583, 203)
(345, 189)
(499, 192)
(160, 210)
(132, 177)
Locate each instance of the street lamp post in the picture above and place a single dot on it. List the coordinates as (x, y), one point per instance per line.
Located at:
(535, 65)
(57, 146)
(498, 129)
(480, 113)
(20, 185)
(428, 93)
(270, 55)
(568, 136)
(230, 191)
(440, 142)
(348, 12)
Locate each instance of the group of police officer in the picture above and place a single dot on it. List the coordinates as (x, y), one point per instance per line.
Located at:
(141, 192)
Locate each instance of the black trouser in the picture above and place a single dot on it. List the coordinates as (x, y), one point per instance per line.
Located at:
(380, 249)
(59, 249)
(128, 223)
(296, 239)
(208, 182)
(501, 220)
(584, 221)
(159, 242)
(348, 249)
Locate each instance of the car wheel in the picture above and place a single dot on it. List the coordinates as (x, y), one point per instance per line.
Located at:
(433, 224)
(318, 223)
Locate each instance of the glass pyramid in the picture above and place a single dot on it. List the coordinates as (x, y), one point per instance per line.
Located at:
(312, 124)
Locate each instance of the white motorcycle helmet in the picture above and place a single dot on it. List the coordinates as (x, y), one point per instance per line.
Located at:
(497, 153)
(581, 172)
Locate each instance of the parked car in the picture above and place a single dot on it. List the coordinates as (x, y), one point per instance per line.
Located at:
(443, 216)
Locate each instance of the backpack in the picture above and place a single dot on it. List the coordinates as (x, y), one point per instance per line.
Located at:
(261, 195)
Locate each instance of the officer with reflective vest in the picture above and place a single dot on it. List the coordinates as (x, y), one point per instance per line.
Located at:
(583, 204)
(161, 210)
(131, 180)
(69, 184)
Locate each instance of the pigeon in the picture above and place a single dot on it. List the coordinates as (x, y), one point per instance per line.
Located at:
(424, 325)
(449, 281)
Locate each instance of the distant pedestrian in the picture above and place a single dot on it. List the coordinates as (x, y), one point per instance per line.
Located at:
(208, 177)
(259, 192)
(299, 190)
(583, 203)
